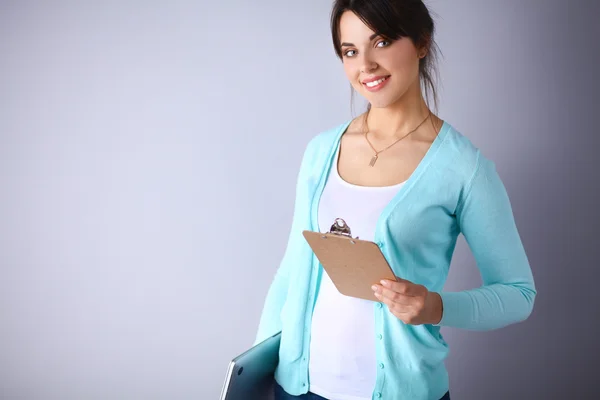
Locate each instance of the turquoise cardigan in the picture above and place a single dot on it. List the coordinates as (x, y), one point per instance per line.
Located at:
(454, 189)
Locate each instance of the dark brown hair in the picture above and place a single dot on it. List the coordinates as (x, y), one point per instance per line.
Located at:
(395, 19)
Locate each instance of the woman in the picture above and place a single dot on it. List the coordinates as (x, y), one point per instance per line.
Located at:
(407, 180)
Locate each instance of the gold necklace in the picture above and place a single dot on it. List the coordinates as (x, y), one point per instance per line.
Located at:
(376, 156)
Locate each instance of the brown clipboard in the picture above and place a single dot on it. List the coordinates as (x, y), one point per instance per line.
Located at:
(353, 265)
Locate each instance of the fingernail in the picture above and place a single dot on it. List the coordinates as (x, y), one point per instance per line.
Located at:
(374, 287)
(384, 282)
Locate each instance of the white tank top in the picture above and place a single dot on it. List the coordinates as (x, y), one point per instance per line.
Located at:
(342, 362)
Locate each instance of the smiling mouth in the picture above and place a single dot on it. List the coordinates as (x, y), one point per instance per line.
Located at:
(377, 82)
(376, 85)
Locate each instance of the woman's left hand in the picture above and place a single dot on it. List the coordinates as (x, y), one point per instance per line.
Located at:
(411, 303)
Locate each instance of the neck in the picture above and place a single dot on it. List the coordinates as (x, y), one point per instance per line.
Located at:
(399, 118)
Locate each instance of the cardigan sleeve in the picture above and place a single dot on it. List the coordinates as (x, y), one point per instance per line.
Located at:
(485, 218)
(270, 319)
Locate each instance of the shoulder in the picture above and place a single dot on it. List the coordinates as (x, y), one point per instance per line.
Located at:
(461, 155)
(459, 149)
(468, 167)
(321, 142)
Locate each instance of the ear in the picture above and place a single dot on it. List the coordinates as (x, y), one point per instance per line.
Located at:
(424, 47)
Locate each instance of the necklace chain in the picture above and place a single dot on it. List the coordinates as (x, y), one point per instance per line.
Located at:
(376, 156)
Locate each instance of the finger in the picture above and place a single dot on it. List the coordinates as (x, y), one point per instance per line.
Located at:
(392, 306)
(391, 292)
(403, 312)
(395, 297)
(402, 286)
(399, 310)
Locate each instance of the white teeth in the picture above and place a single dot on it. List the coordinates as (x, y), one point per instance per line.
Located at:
(375, 83)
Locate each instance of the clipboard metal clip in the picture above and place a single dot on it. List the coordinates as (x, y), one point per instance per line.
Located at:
(340, 227)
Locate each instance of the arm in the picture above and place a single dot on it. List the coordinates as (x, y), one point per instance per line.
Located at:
(486, 220)
(270, 320)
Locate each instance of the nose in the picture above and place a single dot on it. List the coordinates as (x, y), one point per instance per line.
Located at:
(367, 63)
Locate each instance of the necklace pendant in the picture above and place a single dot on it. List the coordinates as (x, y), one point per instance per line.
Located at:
(373, 160)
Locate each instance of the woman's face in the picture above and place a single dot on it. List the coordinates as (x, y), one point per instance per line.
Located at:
(368, 58)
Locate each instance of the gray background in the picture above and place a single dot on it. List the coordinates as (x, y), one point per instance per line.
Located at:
(146, 146)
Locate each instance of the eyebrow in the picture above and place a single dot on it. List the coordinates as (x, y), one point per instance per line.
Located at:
(373, 36)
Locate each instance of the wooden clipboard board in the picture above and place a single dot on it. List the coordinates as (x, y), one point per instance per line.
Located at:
(353, 265)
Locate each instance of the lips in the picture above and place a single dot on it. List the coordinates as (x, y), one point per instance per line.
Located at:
(376, 83)
(374, 78)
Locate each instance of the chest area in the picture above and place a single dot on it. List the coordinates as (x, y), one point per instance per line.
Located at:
(359, 206)
(361, 163)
